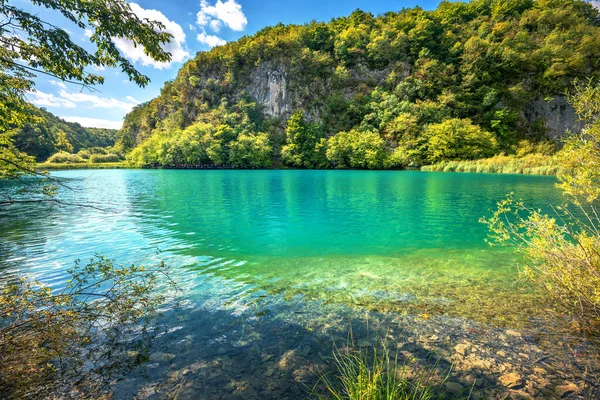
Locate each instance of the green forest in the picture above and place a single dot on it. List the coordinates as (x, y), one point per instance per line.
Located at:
(400, 90)
(53, 138)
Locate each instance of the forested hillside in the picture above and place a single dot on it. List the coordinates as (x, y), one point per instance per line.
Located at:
(53, 135)
(408, 88)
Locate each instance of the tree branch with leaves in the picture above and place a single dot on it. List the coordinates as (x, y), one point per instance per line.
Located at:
(47, 335)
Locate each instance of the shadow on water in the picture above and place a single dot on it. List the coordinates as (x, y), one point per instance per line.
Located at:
(213, 355)
(280, 354)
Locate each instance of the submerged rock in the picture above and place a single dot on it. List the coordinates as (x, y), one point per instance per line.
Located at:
(565, 389)
(511, 380)
(462, 348)
(519, 395)
(454, 387)
(163, 357)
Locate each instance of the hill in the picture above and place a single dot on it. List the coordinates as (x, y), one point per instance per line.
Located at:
(54, 135)
(408, 88)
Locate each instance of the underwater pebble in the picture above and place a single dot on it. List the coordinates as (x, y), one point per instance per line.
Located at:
(519, 395)
(565, 389)
(511, 380)
(461, 348)
(454, 387)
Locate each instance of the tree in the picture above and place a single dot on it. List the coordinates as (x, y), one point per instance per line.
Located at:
(458, 139)
(30, 46)
(302, 139)
(251, 151)
(62, 142)
(355, 149)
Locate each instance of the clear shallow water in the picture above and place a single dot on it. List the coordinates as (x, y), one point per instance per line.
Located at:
(273, 256)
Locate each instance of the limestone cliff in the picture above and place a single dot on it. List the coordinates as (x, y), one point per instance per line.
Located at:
(556, 114)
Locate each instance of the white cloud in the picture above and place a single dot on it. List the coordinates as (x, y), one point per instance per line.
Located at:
(229, 13)
(59, 84)
(191, 27)
(215, 25)
(596, 3)
(176, 46)
(202, 18)
(49, 100)
(95, 122)
(95, 101)
(88, 33)
(66, 99)
(210, 40)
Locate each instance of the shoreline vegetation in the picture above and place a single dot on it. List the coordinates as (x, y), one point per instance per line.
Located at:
(530, 164)
(400, 90)
(74, 166)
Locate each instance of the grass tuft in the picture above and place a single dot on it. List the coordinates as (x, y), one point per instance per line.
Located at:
(373, 373)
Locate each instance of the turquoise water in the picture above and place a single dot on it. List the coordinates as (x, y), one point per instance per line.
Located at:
(335, 235)
(258, 252)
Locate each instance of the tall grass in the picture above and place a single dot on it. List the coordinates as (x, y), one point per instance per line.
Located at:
(372, 373)
(533, 164)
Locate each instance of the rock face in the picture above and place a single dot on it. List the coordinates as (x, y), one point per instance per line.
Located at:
(269, 87)
(557, 115)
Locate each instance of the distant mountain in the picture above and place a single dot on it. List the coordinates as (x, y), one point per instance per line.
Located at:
(55, 134)
(466, 80)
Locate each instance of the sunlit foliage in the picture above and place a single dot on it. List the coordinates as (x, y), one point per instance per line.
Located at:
(560, 250)
(30, 46)
(405, 78)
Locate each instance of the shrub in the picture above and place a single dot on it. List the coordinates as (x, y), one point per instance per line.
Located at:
(560, 251)
(86, 153)
(65, 158)
(104, 158)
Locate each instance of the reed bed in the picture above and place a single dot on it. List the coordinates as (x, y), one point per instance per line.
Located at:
(532, 164)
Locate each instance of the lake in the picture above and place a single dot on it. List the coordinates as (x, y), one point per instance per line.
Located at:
(275, 266)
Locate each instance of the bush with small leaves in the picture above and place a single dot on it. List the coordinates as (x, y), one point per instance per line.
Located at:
(65, 158)
(560, 251)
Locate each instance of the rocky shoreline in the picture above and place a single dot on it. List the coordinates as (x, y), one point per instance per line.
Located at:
(281, 355)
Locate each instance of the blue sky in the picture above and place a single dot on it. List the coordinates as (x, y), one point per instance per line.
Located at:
(197, 25)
